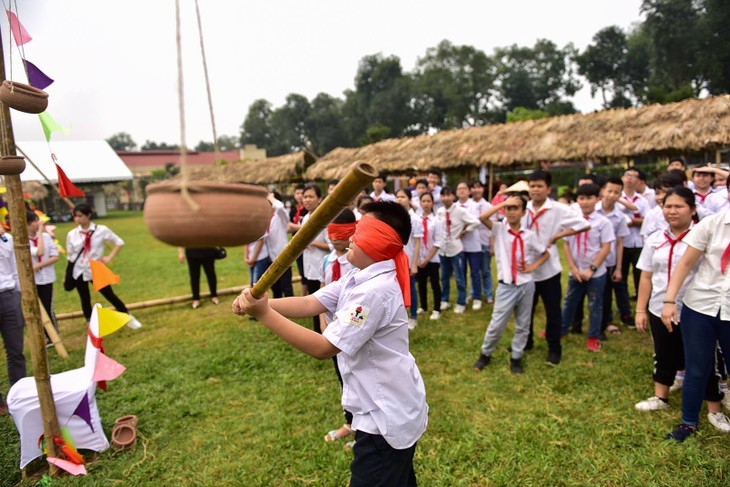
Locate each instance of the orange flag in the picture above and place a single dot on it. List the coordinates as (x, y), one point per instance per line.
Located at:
(102, 276)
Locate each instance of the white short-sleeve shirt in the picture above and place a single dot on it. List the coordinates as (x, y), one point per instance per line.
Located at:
(585, 246)
(8, 267)
(432, 237)
(634, 239)
(382, 386)
(46, 274)
(277, 236)
(75, 243)
(620, 229)
(453, 221)
(503, 240)
(314, 257)
(470, 241)
(416, 232)
(709, 292)
(653, 221)
(382, 196)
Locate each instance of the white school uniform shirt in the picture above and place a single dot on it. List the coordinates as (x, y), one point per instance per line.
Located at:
(460, 219)
(382, 197)
(314, 257)
(654, 258)
(470, 241)
(653, 221)
(416, 204)
(556, 218)
(620, 229)
(709, 291)
(650, 196)
(700, 199)
(717, 202)
(634, 239)
(8, 267)
(503, 240)
(75, 243)
(416, 232)
(263, 253)
(436, 193)
(590, 243)
(277, 236)
(434, 237)
(381, 384)
(484, 233)
(47, 274)
(329, 263)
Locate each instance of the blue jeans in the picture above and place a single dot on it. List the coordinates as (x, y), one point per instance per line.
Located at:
(474, 259)
(700, 334)
(258, 269)
(487, 272)
(509, 298)
(576, 290)
(453, 265)
(414, 298)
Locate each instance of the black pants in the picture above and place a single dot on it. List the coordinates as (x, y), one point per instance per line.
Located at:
(313, 286)
(45, 294)
(551, 292)
(376, 463)
(631, 258)
(300, 269)
(668, 351)
(11, 329)
(283, 287)
(208, 265)
(348, 414)
(82, 287)
(425, 274)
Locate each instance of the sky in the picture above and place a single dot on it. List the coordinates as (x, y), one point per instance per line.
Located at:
(115, 62)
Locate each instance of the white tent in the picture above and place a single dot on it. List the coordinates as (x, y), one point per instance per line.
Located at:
(85, 161)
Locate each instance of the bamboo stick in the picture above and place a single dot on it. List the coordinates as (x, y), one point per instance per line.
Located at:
(357, 178)
(52, 333)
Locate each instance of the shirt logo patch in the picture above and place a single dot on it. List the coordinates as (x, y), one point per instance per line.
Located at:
(358, 316)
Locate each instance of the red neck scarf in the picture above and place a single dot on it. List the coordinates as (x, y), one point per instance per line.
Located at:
(702, 197)
(35, 244)
(582, 237)
(340, 231)
(425, 232)
(725, 259)
(448, 223)
(298, 214)
(380, 242)
(672, 242)
(87, 240)
(517, 242)
(533, 219)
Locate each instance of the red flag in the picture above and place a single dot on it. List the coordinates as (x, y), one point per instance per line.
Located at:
(65, 186)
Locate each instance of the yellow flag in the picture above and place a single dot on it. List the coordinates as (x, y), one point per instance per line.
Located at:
(102, 276)
(110, 321)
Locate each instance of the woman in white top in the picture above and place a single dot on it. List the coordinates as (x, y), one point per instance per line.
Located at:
(428, 260)
(87, 242)
(44, 254)
(412, 250)
(316, 252)
(705, 313)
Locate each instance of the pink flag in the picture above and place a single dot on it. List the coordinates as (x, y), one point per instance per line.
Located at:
(20, 35)
(107, 369)
(70, 467)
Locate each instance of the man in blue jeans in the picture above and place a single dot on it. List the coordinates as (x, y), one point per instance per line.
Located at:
(11, 314)
(586, 254)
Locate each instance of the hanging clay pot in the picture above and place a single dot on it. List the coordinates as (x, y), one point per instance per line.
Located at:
(11, 165)
(22, 97)
(230, 214)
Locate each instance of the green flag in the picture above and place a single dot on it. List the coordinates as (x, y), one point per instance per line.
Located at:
(49, 125)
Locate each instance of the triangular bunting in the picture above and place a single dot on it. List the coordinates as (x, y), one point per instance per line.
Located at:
(36, 77)
(20, 35)
(110, 321)
(65, 186)
(84, 412)
(102, 276)
(70, 467)
(107, 368)
(50, 125)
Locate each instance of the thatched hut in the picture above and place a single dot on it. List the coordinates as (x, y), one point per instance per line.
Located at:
(281, 169)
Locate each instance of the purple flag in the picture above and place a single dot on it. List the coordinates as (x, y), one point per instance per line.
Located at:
(83, 411)
(37, 78)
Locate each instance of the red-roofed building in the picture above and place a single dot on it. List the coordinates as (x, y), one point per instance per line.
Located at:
(143, 163)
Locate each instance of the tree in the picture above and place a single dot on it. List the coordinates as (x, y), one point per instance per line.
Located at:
(256, 128)
(225, 142)
(715, 45)
(289, 130)
(521, 114)
(325, 124)
(121, 141)
(453, 87)
(603, 63)
(150, 145)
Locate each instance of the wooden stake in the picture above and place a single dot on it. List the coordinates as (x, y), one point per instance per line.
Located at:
(52, 333)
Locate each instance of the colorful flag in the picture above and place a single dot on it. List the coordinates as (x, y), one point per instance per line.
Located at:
(102, 277)
(50, 125)
(36, 77)
(70, 467)
(110, 321)
(107, 369)
(65, 186)
(20, 35)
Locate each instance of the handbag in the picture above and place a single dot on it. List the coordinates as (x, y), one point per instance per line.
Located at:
(69, 282)
(220, 253)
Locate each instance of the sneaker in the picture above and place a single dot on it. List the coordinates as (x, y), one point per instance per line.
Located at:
(445, 305)
(412, 323)
(435, 315)
(726, 400)
(652, 404)
(482, 362)
(476, 305)
(420, 311)
(459, 309)
(593, 344)
(719, 421)
(553, 358)
(678, 381)
(515, 366)
(133, 322)
(681, 433)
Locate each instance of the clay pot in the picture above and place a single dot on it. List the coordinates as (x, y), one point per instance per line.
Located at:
(230, 214)
(123, 436)
(11, 165)
(22, 97)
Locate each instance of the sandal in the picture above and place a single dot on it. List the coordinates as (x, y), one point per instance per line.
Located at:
(349, 445)
(215, 300)
(613, 329)
(333, 435)
(196, 304)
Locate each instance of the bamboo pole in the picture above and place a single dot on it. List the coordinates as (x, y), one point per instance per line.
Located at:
(52, 333)
(29, 294)
(357, 178)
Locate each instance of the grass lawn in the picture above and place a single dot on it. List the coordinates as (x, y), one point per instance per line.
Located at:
(221, 401)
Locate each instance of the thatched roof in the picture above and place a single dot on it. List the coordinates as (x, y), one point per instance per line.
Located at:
(286, 168)
(687, 126)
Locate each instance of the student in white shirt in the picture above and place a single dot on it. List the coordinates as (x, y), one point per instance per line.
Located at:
(383, 388)
(44, 254)
(421, 187)
(477, 195)
(434, 186)
(703, 177)
(11, 313)
(644, 190)
(412, 250)
(429, 263)
(455, 222)
(87, 242)
(315, 253)
(633, 243)
(705, 314)
(586, 254)
(380, 191)
(518, 252)
(471, 256)
(276, 240)
(654, 219)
